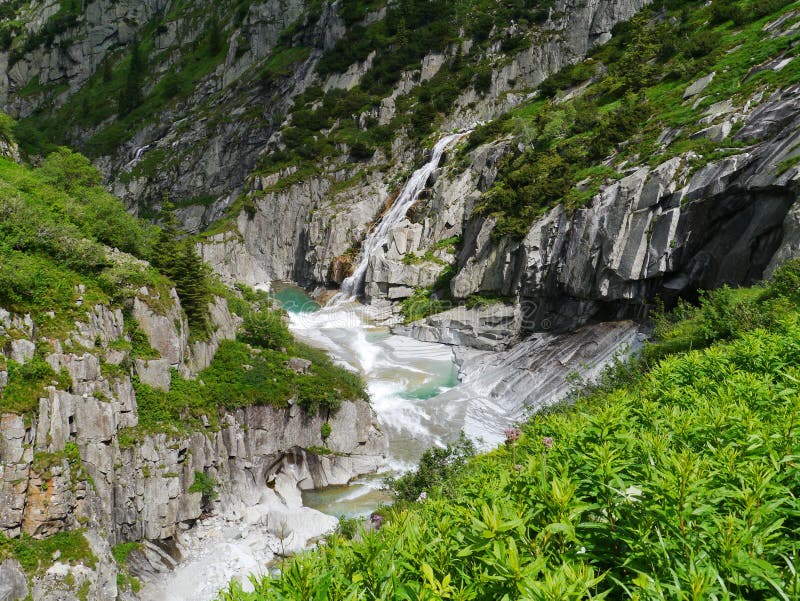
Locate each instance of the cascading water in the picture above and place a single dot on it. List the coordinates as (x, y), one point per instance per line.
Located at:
(403, 375)
(353, 285)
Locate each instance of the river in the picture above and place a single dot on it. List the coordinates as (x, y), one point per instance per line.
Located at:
(404, 378)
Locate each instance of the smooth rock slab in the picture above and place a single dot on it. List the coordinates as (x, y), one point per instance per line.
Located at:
(698, 86)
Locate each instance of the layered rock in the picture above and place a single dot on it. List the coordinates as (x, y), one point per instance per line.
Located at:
(505, 388)
(667, 231)
(79, 460)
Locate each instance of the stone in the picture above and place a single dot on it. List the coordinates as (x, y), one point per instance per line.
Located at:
(699, 86)
(492, 328)
(13, 582)
(22, 350)
(154, 372)
(300, 366)
(715, 133)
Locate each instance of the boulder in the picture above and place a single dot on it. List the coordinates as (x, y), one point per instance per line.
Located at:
(13, 582)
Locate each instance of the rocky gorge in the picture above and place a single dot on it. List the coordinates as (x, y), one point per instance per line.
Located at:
(79, 462)
(525, 318)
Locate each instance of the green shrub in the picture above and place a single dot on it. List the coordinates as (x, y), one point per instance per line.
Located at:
(121, 551)
(206, 486)
(266, 329)
(325, 430)
(785, 282)
(422, 304)
(7, 127)
(69, 171)
(436, 467)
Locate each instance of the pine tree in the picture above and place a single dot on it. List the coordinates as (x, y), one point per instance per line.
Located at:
(165, 249)
(178, 259)
(191, 281)
(131, 95)
(214, 35)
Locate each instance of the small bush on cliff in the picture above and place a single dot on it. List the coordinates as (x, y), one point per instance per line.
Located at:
(206, 486)
(325, 430)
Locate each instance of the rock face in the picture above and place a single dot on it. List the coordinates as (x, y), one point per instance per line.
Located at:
(77, 461)
(214, 138)
(506, 388)
(664, 231)
(302, 232)
(13, 582)
(216, 153)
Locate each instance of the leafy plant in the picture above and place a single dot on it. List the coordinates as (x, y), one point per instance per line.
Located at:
(206, 486)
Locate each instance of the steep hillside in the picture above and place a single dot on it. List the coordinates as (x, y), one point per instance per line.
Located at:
(136, 398)
(184, 97)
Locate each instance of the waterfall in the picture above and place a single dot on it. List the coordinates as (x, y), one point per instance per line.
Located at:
(140, 151)
(354, 284)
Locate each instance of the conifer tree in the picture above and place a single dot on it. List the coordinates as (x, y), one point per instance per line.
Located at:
(131, 95)
(214, 35)
(177, 258)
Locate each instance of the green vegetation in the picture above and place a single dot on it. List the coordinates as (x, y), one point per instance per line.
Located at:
(120, 554)
(325, 430)
(178, 259)
(44, 462)
(206, 486)
(423, 303)
(36, 555)
(674, 478)
(437, 467)
(56, 224)
(650, 62)
(239, 376)
(26, 384)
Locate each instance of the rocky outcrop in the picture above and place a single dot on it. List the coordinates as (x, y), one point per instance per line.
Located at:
(491, 328)
(227, 255)
(79, 459)
(505, 388)
(667, 231)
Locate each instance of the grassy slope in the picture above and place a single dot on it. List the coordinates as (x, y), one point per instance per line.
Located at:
(677, 478)
(56, 225)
